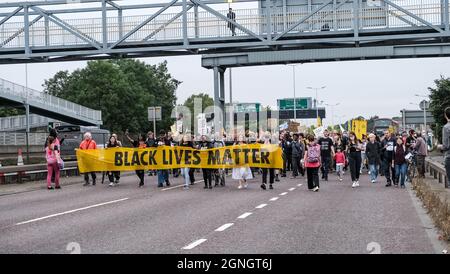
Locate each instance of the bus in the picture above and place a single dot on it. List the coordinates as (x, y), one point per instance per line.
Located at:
(382, 124)
(73, 135)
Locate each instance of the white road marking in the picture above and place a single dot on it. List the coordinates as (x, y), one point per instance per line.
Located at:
(261, 206)
(172, 187)
(245, 215)
(284, 193)
(299, 185)
(274, 199)
(292, 188)
(225, 226)
(70, 211)
(194, 244)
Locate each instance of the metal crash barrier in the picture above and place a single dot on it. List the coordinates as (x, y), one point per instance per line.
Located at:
(20, 174)
(437, 170)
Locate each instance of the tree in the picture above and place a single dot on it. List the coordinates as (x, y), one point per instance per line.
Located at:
(122, 89)
(8, 111)
(439, 100)
(207, 101)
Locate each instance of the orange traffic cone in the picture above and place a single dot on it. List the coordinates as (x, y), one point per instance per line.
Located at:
(20, 158)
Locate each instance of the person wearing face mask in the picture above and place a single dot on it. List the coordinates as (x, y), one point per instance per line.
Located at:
(354, 149)
(387, 150)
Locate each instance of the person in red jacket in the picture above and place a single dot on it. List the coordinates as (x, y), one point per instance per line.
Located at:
(339, 158)
(88, 143)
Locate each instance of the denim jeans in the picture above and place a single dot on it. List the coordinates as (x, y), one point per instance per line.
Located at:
(163, 176)
(373, 172)
(400, 173)
(185, 174)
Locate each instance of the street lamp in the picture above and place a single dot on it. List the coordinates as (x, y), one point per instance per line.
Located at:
(424, 110)
(293, 81)
(332, 111)
(317, 109)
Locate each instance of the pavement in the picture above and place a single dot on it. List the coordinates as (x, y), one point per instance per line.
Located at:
(288, 219)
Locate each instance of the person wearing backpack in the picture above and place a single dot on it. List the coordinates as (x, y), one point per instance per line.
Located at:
(312, 163)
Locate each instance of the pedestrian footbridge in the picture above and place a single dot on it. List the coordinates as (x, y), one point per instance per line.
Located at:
(43, 104)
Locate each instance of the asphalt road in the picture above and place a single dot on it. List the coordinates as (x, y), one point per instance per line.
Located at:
(288, 219)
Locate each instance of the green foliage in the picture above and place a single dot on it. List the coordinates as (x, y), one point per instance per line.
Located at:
(7, 111)
(122, 89)
(206, 101)
(439, 100)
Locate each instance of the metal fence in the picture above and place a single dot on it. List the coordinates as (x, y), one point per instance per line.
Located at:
(168, 25)
(19, 138)
(437, 170)
(41, 99)
(20, 122)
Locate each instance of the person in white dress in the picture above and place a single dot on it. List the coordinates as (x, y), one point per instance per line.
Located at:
(242, 173)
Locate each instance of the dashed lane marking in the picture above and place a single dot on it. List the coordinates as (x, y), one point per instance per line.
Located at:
(194, 244)
(225, 226)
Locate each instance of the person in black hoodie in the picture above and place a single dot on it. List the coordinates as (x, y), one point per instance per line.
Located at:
(373, 157)
(297, 154)
(151, 142)
(327, 153)
(387, 150)
(113, 176)
(207, 173)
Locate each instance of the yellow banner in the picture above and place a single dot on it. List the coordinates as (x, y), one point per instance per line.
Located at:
(125, 159)
(360, 128)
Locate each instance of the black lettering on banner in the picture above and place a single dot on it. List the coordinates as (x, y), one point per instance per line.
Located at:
(170, 157)
(178, 156)
(165, 162)
(246, 151)
(214, 157)
(143, 162)
(151, 157)
(135, 159)
(126, 159)
(265, 157)
(236, 155)
(197, 159)
(118, 159)
(187, 157)
(255, 154)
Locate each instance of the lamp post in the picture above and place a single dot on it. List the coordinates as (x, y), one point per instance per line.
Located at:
(293, 83)
(424, 110)
(316, 102)
(332, 111)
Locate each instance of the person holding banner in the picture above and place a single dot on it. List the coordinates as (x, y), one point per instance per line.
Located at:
(88, 143)
(138, 144)
(207, 172)
(151, 142)
(312, 163)
(163, 174)
(185, 171)
(242, 173)
(113, 142)
(267, 141)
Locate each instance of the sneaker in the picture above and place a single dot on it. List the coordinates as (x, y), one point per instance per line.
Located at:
(210, 187)
(167, 183)
(340, 179)
(57, 187)
(293, 177)
(186, 187)
(160, 185)
(373, 181)
(270, 186)
(49, 187)
(368, 172)
(277, 179)
(263, 186)
(402, 186)
(94, 183)
(388, 184)
(239, 187)
(205, 187)
(141, 184)
(315, 189)
(246, 186)
(111, 184)
(354, 185)
(357, 183)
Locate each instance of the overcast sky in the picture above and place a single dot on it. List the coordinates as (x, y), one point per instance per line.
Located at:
(364, 88)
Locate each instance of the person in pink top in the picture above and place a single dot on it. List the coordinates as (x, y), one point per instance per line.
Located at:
(339, 158)
(52, 155)
(312, 162)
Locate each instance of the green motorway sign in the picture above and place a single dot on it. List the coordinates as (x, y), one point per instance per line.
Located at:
(288, 104)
